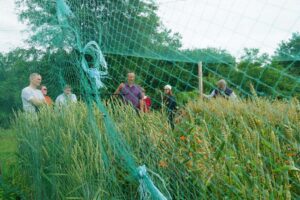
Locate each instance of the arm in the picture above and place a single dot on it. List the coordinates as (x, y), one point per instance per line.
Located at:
(211, 95)
(119, 88)
(173, 104)
(74, 98)
(37, 102)
(30, 97)
(58, 101)
(142, 105)
(142, 102)
(233, 96)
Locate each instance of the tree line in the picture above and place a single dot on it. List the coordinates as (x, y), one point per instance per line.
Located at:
(133, 38)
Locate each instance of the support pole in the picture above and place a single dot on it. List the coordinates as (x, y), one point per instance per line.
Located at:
(200, 79)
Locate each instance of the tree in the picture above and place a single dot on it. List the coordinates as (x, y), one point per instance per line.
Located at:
(253, 56)
(210, 55)
(15, 68)
(288, 54)
(121, 27)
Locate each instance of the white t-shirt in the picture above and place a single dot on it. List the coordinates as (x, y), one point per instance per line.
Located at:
(28, 94)
(64, 99)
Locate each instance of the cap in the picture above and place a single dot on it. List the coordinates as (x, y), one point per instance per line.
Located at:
(168, 87)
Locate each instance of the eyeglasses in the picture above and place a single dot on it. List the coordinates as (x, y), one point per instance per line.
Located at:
(44, 89)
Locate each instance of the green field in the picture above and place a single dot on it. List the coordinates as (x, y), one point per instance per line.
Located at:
(8, 166)
(248, 149)
(7, 145)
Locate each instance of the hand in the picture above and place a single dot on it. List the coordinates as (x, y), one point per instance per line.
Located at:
(121, 86)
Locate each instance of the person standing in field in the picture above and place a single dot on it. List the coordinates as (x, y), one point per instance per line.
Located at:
(222, 91)
(66, 97)
(48, 99)
(130, 92)
(171, 105)
(32, 98)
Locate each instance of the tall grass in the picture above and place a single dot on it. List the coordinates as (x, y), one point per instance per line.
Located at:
(219, 150)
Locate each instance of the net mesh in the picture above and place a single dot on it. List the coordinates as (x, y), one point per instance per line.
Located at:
(101, 148)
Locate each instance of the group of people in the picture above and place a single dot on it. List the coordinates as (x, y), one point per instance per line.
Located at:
(35, 96)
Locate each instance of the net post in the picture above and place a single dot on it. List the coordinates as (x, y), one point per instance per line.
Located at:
(200, 79)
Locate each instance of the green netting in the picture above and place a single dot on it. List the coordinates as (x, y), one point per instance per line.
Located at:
(103, 148)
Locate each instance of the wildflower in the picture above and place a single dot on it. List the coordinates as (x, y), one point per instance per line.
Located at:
(189, 164)
(198, 141)
(163, 164)
(291, 154)
(182, 137)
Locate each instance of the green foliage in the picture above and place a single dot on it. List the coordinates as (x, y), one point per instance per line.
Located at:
(9, 173)
(93, 20)
(288, 54)
(223, 149)
(210, 55)
(184, 97)
(15, 69)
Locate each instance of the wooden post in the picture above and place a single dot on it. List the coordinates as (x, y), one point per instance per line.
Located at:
(200, 79)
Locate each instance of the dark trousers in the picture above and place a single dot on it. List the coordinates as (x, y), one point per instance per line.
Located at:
(171, 119)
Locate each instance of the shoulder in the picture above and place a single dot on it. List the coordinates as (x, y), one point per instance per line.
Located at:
(59, 96)
(38, 92)
(26, 89)
(229, 89)
(27, 92)
(138, 87)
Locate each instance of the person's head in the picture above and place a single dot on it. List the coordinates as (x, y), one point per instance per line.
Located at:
(168, 89)
(131, 77)
(221, 84)
(67, 90)
(44, 90)
(35, 79)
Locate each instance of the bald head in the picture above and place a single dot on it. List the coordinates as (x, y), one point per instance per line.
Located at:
(131, 77)
(35, 80)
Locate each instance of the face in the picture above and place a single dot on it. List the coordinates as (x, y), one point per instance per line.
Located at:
(36, 81)
(68, 91)
(130, 77)
(44, 90)
(167, 91)
(221, 86)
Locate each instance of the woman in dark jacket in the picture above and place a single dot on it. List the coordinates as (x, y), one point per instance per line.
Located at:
(171, 104)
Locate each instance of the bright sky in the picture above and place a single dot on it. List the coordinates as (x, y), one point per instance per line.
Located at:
(227, 24)
(11, 34)
(232, 24)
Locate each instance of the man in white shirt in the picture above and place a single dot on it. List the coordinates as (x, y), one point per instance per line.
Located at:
(32, 98)
(66, 97)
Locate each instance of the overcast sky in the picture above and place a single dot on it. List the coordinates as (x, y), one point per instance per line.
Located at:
(228, 24)
(10, 28)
